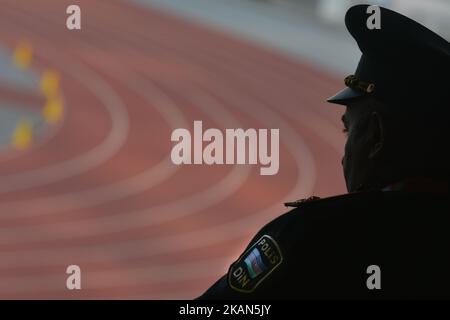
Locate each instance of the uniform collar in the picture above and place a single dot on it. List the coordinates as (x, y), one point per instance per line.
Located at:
(419, 184)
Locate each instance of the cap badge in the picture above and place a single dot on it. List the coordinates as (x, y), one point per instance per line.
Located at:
(352, 82)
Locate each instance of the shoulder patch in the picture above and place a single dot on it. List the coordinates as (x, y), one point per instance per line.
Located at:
(255, 265)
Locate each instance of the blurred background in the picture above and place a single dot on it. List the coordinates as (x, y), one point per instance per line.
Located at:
(85, 123)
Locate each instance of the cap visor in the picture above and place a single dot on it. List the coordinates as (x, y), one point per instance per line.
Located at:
(344, 96)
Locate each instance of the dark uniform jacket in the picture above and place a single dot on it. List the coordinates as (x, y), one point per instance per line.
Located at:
(378, 244)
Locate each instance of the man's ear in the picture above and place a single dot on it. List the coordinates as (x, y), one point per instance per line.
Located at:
(376, 134)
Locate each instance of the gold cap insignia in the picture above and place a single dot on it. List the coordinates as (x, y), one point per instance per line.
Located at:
(352, 82)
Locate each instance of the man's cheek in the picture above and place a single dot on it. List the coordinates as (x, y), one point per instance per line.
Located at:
(346, 164)
(347, 153)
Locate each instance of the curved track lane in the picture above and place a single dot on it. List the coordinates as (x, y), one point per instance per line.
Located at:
(101, 192)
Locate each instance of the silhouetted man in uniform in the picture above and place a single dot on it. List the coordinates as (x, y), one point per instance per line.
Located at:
(389, 237)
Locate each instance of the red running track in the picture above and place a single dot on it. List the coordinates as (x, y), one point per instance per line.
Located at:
(101, 192)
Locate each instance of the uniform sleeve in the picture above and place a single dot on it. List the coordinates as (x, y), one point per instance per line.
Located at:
(257, 271)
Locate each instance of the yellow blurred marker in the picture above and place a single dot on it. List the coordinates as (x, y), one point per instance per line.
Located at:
(23, 135)
(23, 55)
(53, 109)
(50, 83)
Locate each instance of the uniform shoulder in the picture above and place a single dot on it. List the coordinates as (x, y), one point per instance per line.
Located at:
(343, 199)
(329, 205)
(271, 256)
(320, 208)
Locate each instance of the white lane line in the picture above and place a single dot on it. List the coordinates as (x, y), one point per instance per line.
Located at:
(193, 239)
(215, 234)
(166, 215)
(143, 181)
(321, 125)
(199, 201)
(158, 173)
(308, 77)
(335, 144)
